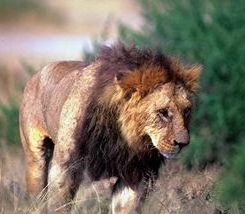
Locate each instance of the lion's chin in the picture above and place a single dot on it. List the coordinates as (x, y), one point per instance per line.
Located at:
(169, 155)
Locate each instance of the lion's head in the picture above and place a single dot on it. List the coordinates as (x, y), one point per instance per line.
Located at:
(155, 99)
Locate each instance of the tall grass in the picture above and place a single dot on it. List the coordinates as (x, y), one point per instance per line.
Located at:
(189, 193)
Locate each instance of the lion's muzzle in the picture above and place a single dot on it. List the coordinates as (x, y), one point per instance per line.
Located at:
(182, 139)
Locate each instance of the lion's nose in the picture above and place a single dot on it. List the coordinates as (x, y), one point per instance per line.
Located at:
(180, 144)
(182, 139)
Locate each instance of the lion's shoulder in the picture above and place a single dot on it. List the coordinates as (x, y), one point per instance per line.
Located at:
(55, 71)
(66, 89)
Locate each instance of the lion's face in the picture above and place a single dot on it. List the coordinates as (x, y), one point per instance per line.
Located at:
(163, 116)
(157, 107)
(167, 118)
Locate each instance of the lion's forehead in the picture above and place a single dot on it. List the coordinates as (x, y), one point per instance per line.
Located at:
(170, 95)
(182, 98)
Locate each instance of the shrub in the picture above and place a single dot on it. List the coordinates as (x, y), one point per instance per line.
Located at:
(231, 189)
(12, 86)
(9, 122)
(211, 33)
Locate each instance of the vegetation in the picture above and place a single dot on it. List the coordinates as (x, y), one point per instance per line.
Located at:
(231, 188)
(12, 86)
(9, 122)
(207, 32)
(211, 33)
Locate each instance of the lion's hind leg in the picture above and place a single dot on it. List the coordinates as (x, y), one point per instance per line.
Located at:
(65, 176)
(38, 151)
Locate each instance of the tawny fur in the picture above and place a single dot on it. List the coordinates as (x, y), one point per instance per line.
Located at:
(117, 117)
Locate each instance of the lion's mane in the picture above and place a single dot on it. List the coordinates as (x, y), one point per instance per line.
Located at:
(106, 153)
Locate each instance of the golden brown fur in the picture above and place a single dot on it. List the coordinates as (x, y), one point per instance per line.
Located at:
(119, 116)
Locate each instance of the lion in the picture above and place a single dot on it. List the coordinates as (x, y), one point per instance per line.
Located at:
(120, 116)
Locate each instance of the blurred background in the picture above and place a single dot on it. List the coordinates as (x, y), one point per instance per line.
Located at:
(209, 176)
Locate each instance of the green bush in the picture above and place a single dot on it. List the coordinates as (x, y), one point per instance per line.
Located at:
(211, 33)
(231, 189)
(9, 122)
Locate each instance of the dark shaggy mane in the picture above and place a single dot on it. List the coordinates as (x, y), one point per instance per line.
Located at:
(107, 155)
(131, 57)
(105, 151)
(149, 67)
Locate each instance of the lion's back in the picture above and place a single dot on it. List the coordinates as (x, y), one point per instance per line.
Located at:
(51, 89)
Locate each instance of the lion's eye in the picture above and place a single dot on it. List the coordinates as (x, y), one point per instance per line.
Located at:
(187, 112)
(163, 113)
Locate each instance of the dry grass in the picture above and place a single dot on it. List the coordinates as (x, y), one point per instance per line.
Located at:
(177, 191)
(184, 191)
(12, 194)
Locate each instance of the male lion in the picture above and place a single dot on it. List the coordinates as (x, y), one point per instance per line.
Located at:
(118, 117)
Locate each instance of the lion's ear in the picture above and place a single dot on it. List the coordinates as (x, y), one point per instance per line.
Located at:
(191, 77)
(127, 82)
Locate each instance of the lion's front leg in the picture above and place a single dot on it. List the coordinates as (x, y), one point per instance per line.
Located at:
(64, 179)
(125, 200)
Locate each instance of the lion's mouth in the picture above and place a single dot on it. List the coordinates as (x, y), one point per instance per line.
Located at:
(169, 154)
(169, 151)
(165, 148)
